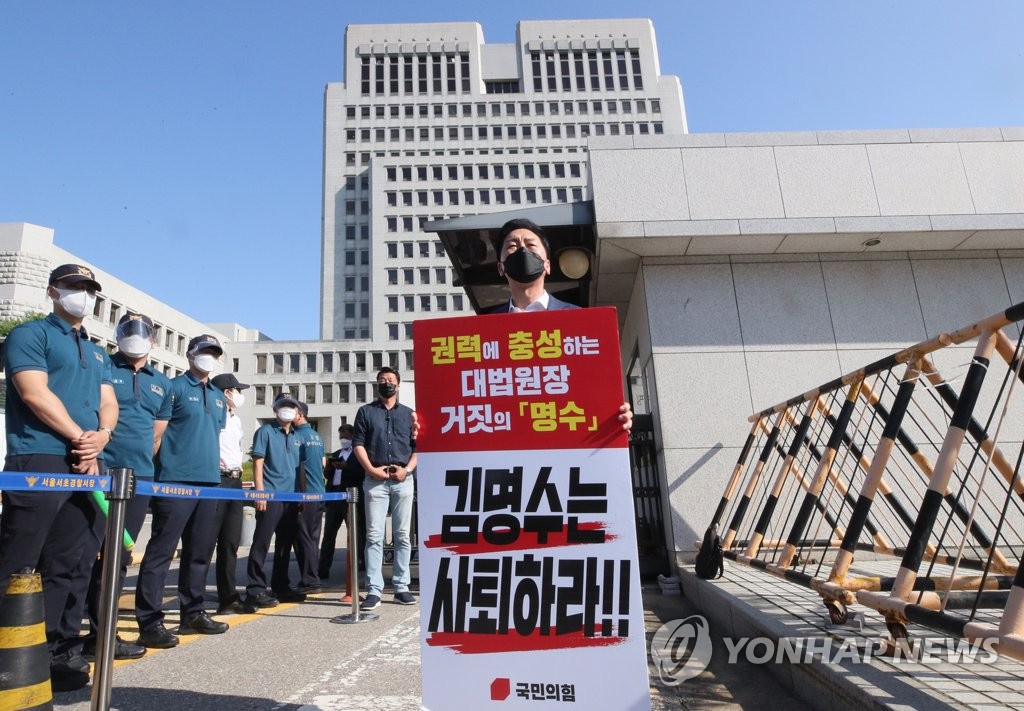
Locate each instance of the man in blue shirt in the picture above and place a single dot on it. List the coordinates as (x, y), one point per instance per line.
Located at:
(385, 446)
(275, 462)
(310, 480)
(144, 398)
(61, 412)
(189, 455)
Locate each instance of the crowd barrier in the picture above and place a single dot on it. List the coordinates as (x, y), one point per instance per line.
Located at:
(914, 458)
(24, 657)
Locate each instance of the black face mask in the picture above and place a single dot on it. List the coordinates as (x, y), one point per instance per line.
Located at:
(524, 266)
(387, 389)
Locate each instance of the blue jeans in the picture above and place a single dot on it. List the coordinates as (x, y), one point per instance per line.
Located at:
(379, 496)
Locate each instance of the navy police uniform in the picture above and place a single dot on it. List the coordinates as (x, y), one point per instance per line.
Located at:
(189, 455)
(48, 531)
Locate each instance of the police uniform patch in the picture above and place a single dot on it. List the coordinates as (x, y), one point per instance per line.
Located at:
(157, 389)
(98, 356)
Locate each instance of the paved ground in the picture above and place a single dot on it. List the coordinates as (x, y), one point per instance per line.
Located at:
(293, 658)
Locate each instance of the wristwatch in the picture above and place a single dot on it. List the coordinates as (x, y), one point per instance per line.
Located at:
(110, 432)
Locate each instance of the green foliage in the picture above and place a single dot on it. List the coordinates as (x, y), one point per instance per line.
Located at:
(7, 325)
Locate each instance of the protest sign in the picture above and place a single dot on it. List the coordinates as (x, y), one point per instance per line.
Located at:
(529, 578)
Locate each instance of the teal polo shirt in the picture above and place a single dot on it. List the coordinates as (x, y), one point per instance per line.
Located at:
(190, 449)
(75, 370)
(311, 455)
(143, 397)
(280, 453)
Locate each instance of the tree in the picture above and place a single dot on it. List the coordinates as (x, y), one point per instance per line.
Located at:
(7, 325)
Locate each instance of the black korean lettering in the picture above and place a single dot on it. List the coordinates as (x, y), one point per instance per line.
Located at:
(625, 570)
(569, 595)
(574, 534)
(542, 488)
(526, 597)
(543, 526)
(586, 498)
(503, 489)
(500, 529)
(459, 478)
(448, 611)
(459, 528)
(485, 595)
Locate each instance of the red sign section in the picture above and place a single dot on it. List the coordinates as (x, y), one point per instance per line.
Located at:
(519, 381)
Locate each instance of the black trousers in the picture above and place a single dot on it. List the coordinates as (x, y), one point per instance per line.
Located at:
(277, 518)
(304, 537)
(190, 521)
(335, 513)
(135, 516)
(49, 532)
(229, 533)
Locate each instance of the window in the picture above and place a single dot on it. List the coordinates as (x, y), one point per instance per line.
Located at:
(310, 393)
(425, 303)
(327, 393)
(424, 275)
(328, 363)
(392, 304)
(410, 303)
(408, 276)
(261, 395)
(310, 363)
(424, 249)
(392, 331)
(457, 302)
(438, 249)
(278, 363)
(261, 363)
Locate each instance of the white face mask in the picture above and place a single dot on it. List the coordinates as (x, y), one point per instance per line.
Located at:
(346, 444)
(135, 346)
(206, 363)
(286, 414)
(77, 303)
(237, 399)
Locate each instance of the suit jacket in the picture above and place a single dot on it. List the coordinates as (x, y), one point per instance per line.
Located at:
(352, 473)
(554, 304)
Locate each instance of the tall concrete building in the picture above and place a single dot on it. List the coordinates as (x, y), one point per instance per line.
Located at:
(431, 122)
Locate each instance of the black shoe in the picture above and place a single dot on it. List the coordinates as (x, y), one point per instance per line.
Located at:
(202, 623)
(122, 650)
(405, 598)
(305, 589)
(157, 637)
(290, 596)
(262, 600)
(68, 671)
(237, 607)
(372, 602)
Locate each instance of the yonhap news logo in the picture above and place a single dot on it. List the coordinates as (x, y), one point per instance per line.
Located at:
(681, 649)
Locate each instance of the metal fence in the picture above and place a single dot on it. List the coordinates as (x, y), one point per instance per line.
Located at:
(915, 459)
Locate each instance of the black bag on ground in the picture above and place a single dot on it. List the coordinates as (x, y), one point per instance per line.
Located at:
(710, 563)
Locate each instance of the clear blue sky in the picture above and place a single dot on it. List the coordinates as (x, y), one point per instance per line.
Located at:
(177, 144)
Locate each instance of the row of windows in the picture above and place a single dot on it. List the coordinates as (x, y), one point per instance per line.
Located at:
(593, 70)
(410, 134)
(567, 107)
(408, 74)
(497, 196)
(323, 393)
(408, 248)
(438, 274)
(326, 362)
(425, 302)
(482, 171)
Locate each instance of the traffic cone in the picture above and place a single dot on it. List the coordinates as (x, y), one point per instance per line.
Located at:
(24, 657)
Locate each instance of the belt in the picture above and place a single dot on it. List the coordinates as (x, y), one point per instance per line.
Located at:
(231, 473)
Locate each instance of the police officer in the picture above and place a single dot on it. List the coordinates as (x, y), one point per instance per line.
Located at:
(189, 455)
(310, 480)
(144, 398)
(275, 461)
(229, 511)
(61, 414)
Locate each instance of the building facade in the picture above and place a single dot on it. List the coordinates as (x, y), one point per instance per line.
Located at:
(432, 122)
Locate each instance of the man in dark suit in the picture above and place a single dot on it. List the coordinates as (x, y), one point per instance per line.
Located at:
(524, 261)
(343, 471)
